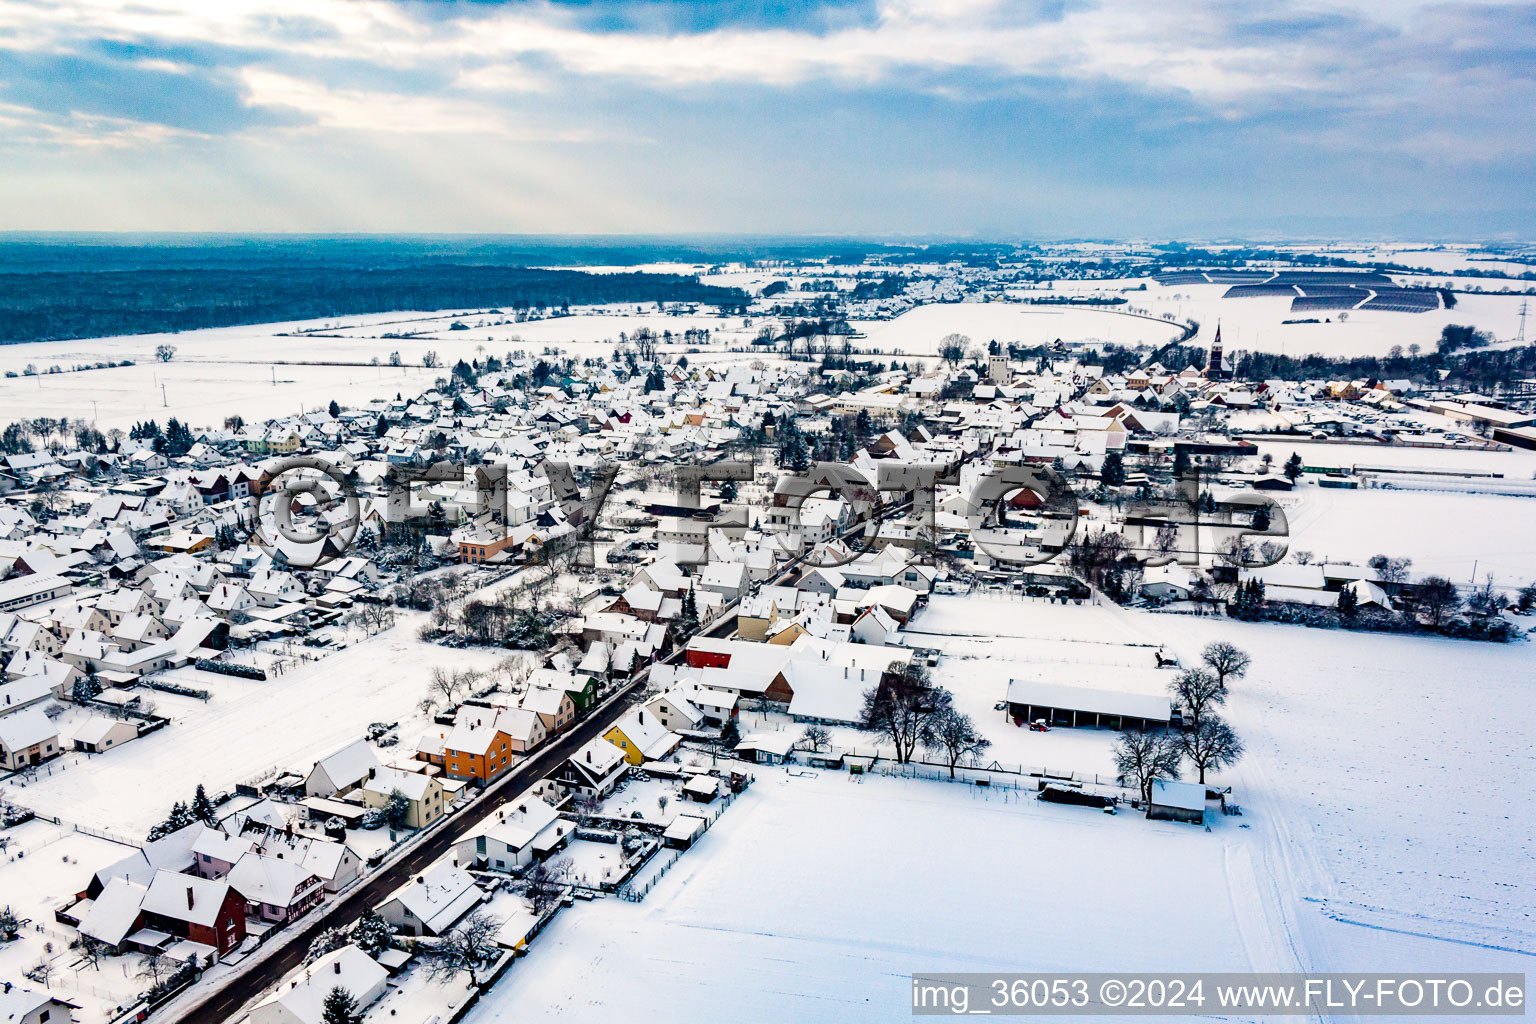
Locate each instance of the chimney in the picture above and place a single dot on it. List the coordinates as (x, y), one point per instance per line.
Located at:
(189, 897)
(336, 966)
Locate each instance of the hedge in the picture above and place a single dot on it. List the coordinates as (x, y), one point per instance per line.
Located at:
(225, 668)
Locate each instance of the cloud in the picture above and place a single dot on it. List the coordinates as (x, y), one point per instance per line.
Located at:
(876, 113)
(130, 87)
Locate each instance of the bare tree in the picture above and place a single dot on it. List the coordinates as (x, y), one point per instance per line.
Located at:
(1390, 570)
(165, 353)
(1237, 552)
(1438, 598)
(545, 883)
(156, 968)
(466, 949)
(41, 971)
(1146, 757)
(816, 738)
(1485, 600)
(952, 349)
(1211, 745)
(955, 738)
(1199, 691)
(904, 708)
(91, 951)
(1226, 660)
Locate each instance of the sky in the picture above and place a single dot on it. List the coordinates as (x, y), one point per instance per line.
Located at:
(967, 118)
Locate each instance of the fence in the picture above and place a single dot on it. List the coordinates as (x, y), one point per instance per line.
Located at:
(992, 773)
(634, 891)
(99, 833)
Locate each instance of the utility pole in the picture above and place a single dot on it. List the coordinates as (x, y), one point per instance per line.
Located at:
(163, 401)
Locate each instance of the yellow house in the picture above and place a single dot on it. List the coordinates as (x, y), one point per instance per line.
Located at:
(788, 635)
(179, 541)
(642, 737)
(422, 793)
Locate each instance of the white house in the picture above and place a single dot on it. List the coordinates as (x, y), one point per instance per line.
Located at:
(432, 902)
(513, 835)
(300, 998)
(342, 770)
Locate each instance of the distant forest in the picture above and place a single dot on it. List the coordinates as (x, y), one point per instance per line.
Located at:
(54, 291)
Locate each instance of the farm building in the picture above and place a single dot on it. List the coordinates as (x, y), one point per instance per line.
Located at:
(1061, 703)
(1173, 800)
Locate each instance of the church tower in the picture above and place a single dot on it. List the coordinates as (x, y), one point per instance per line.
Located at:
(1214, 369)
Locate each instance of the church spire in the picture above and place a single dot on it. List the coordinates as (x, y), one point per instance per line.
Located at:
(1213, 366)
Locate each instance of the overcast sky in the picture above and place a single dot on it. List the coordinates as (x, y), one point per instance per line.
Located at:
(967, 117)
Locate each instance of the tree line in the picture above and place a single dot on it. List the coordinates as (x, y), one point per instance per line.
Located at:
(79, 304)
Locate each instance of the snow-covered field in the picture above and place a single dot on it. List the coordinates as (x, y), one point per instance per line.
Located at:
(247, 728)
(230, 370)
(814, 898)
(1258, 323)
(918, 332)
(1446, 533)
(1386, 827)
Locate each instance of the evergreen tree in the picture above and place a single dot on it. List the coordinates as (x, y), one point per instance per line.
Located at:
(373, 935)
(340, 1008)
(380, 428)
(728, 491)
(397, 809)
(179, 818)
(1113, 472)
(1349, 604)
(1293, 467)
(862, 425)
(202, 807)
(799, 457)
(334, 410)
(86, 687)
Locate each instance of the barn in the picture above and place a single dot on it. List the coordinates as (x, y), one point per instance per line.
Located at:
(1143, 705)
(1173, 800)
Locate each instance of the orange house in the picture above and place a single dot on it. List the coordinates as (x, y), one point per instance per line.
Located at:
(478, 547)
(476, 752)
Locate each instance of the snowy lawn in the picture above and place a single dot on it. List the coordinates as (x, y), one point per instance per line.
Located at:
(40, 871)
(656, 800)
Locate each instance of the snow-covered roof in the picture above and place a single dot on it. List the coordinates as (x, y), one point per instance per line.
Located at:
(168, 896)
(517, 823)
(113, 913)
(1040, 693)
(26, 728)
(267, 879)
(439, 897)
(300, 998)
(1186, 796)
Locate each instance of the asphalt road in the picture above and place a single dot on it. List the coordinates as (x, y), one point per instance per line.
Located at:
(224, 1002)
